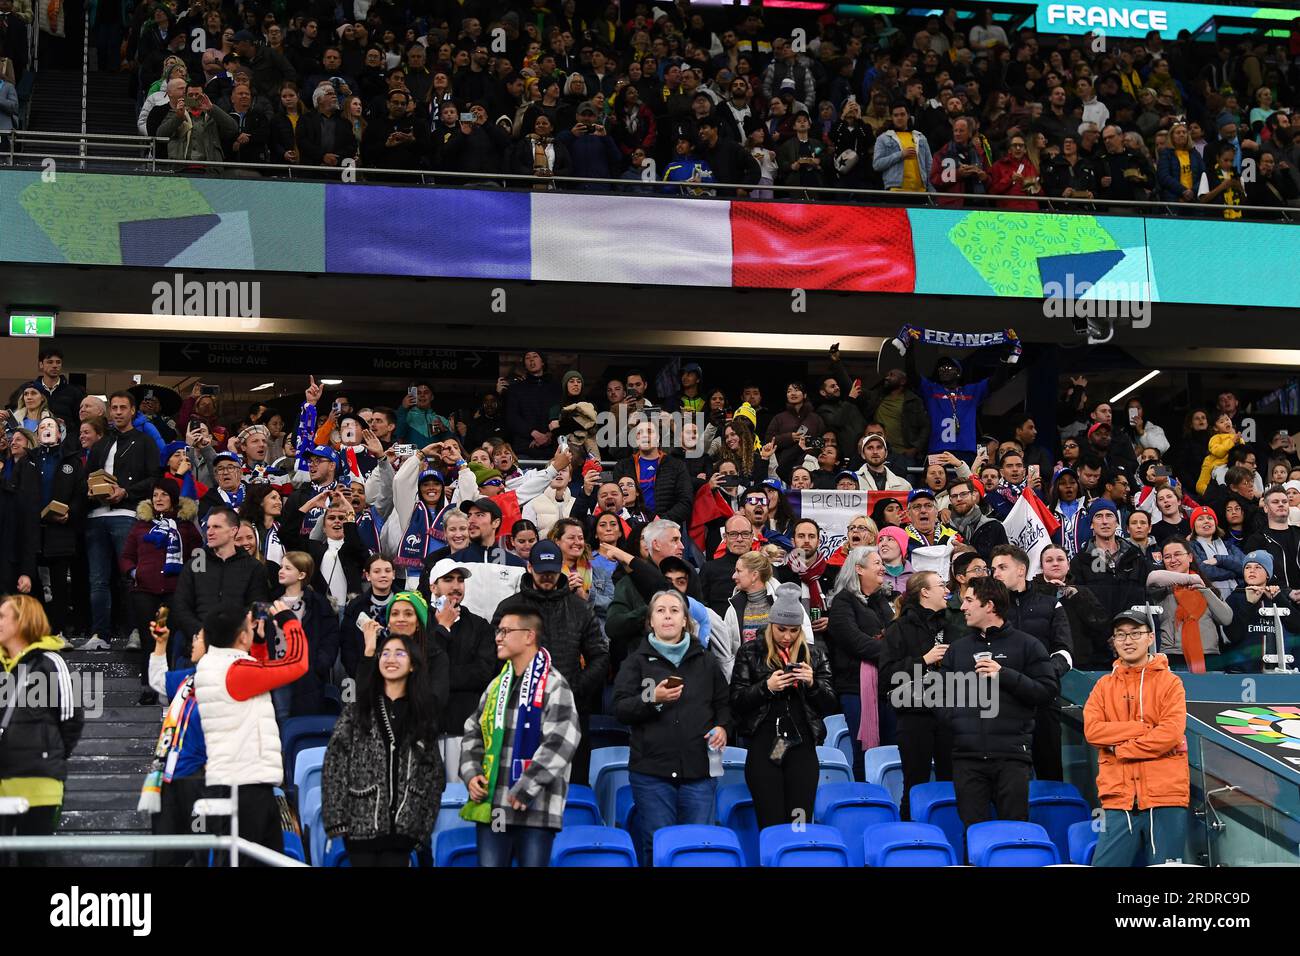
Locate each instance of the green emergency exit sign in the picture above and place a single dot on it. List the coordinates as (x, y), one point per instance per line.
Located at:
(38, 324)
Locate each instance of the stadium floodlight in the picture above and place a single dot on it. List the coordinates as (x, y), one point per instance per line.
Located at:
(263, 387)
(331, 381)
(1138, 384)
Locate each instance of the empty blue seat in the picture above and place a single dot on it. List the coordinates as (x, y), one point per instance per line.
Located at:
(1057, 806)
(302, 733)
(291, 845)
(838, 736)
(906, 844)
(851, 808)
(454, 796)
(307, 772)
(787, 845)
(593, 846)
(1083, 842)
(456, 847)
(733, 766)
(686, 846)
(835, 768)
(608, 772)
(734, 809)
(605, 731)
(1005, 843)
(336, 854)
(580, 810)
(936, 803)
(884, 767)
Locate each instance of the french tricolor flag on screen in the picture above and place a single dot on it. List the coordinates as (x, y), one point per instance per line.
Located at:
(637, 240)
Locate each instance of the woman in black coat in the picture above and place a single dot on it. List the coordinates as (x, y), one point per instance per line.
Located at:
(306, 695)
(914, 647)
(60, 533)
(780, 693)
(859, 612)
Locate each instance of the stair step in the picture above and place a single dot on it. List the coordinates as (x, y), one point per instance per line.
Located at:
(124, 746)
(100, 800)
(128, 782)
(107, 821)
(90, 763)
(97, 730)
(87, 859)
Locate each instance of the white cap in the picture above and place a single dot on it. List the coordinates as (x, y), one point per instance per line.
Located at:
(446, 566)
(1291, 485)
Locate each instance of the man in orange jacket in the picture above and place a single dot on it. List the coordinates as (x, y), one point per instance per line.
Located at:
(1136, 716)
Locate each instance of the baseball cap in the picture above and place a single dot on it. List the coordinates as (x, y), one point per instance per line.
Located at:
(846, 473)
(776, 484)
(586, 106)
(1291, 486)
(786, 84)
(693, 366)
(876, 438)
(446, 566)
(1131, 617)
(431, 474)
(245, 35)
(320, 451)
(1095, 425)
(919, 493)
(486, 505)
(545, 557)
(230, 456)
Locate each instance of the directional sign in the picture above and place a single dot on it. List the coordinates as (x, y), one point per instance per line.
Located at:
(318, 360)
(35, 324)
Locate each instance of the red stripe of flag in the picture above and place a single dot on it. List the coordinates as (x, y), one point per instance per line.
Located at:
(807, 246)
(1044, 513)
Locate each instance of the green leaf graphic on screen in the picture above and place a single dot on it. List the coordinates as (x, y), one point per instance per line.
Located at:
(80, 214)
(1004, 247)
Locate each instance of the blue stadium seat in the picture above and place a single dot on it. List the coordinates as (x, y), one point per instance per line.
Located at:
(1083, 842)
(307, 772)
(936, 803)
(608, 773)
(336, 854)
(734, 809)
(456, 847)
(605, 731)
(454, 796)
(312, 829)
(625, 817)
(1008, 843)
(838, 736)
(884, 767)
(689, 846)
(851, 808)
(581, 810)
(302, 733)
(733, 766)
(834, 767)
(292, 844)
(906, 844)
(593, 846)
(1057, 806)
(786, 845)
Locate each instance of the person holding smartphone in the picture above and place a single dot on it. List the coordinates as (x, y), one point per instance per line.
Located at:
(672, 693)
(780, 693)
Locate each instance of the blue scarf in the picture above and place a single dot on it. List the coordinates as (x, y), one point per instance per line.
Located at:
(232, 500)
(528, 721)
(369, 527)
(960, 340)
(674, 652)
(310, 518)
(272, 546)
(420, 539)
(166, 537)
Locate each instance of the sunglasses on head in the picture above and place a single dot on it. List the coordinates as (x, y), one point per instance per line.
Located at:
(494, 482)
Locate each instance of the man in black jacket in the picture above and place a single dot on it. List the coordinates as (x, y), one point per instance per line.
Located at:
(528, 408)
(466, 639)
(249, 144)
(571, 633)
(1039, 614)
(62, 396)
(716, 583)
(131, 457)
(1113, 569)
(1281, 540)
(729, 160)
(665, 481)
(325, 137)
(397, 140)
(221, 576)
(966, 517)
(477, 147)
(992, 738)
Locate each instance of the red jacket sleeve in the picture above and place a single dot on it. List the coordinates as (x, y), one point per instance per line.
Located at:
(247, 678)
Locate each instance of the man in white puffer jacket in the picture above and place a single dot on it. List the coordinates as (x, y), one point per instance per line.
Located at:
(243, 739)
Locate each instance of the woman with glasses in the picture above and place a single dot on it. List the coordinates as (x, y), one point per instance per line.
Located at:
(382, 781)
(914, 646)
(860, 609)
(1192, 611)
(1071, 450)
(1015, 175)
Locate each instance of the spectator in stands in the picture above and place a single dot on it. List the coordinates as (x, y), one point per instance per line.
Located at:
(965, 516)
(1112, 568)
(1192, 610)
(195, 128)
(163, 538)
(1180, 167)
(324, 136)
(235, 687)
(373, 602)
(1136, 717)
(991, 754)
(1281, 540)
(902, 154)
(395, 141)
(389, 733)
(131, 457)
(594, 153)
(39, 735)
(860, 609)
(320, 624)
(465, 638)
(664, 481)
(517, 750)
(249, 144)
(269, 67)
(62, 397)
(915, 644)
(674, 727)
(222, 576)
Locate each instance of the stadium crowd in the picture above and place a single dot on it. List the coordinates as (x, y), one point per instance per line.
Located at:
(952, 105)
(401, 553)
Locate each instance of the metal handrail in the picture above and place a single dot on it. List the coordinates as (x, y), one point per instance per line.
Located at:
(653, 188)
(117, 841)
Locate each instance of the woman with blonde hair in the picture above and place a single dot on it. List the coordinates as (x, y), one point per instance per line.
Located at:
(39, 736)
(748, 609)
(780, 692)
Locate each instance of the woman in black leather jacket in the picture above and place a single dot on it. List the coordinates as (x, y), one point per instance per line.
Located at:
(780, 691)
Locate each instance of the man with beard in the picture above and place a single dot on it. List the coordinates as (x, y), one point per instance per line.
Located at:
(874, 475)
(967, 518)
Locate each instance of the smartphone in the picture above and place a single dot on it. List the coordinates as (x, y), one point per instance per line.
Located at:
(439, 603)
(789, 668)
(604, 477)
(412, 392)
(467, 117)
(161, 618)
(672, 680)
(1284, 433)
(261, 610)
(363, 619)
(1132, 415)
(209, 389)
(1034, 471)
(730, 481)
(1160, 471)
(857, 383)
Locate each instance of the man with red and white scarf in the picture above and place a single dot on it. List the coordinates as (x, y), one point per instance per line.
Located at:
(234, 680)
(805, 565)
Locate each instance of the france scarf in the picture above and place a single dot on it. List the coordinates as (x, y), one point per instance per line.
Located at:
(166, 537)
